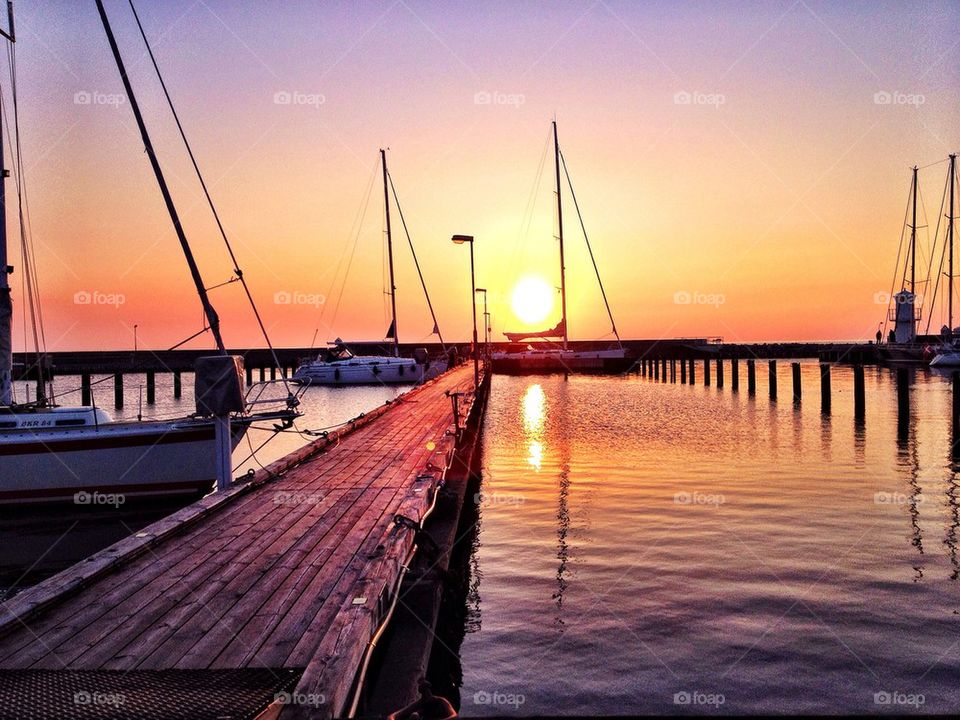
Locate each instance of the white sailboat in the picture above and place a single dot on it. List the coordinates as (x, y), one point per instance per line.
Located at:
(948, 354)
(50, 453)
(561, 359)
(340, 366)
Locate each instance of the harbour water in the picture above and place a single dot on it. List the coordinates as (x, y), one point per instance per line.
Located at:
(656, 548)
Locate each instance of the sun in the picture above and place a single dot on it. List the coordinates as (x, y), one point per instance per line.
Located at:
(532, 300)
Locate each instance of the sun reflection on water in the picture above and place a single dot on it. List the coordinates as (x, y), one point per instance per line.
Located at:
(534, 419)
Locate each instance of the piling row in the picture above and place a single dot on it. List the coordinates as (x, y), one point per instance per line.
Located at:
(666, 368)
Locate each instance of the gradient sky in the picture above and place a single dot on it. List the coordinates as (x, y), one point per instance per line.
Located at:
(785, 202)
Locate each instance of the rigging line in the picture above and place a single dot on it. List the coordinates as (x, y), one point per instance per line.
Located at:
(933, 249)
(416, 262)
(576, 206)
(362, 214)
(29, 271)
(206, 192)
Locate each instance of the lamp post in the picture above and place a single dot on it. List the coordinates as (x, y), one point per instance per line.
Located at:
(460, 240)
(486, 325)
(135, 337)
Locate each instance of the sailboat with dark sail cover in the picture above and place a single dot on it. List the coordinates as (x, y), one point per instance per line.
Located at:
(49, 452)
(556, 355)
(340, 366)
(948, 354)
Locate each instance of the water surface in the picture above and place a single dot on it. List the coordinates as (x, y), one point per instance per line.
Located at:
(648, 548)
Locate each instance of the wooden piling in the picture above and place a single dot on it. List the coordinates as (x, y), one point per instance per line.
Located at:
(86, 394)
(693, 372)
(273, 372)
(706, 372)
(656, 370)
(249, 376)
(673, 370)
(751, 377)
(735, 374)
(683, 371)
(177, 385)
(262, 376)
(151, 387)
(719, 372)
(118, 390)
(956, 398)
(797, 387)
(825, 399)
(859, 393)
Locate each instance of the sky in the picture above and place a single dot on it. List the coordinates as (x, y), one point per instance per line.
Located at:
(742, 168)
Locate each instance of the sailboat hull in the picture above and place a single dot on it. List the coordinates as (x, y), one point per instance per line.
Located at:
(551, 361)
(109, 464)
(368, 371)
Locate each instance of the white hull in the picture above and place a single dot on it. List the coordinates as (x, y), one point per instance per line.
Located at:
(949, 359)
(98, 464)
(368, 371)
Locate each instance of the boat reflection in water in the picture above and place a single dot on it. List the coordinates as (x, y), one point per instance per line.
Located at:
(668, 541)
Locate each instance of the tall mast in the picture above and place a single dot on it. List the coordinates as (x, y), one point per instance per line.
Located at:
(213, 321)
(393, 285)
(953, 181)
(913, 237)
(6, 304)
(563, 269)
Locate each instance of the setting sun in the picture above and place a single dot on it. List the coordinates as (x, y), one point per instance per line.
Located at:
(532, 300)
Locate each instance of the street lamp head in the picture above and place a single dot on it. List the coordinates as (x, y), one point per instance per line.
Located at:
(461, 239)
(483, 290)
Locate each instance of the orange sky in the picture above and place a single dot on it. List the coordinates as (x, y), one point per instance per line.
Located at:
(773, 200)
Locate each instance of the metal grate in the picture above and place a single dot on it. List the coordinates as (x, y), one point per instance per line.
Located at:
(141, 694)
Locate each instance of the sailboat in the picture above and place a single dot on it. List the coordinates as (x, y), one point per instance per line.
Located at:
(903, 345)
(51, 453)
(340, 366)
(948, 354)
(552, 358)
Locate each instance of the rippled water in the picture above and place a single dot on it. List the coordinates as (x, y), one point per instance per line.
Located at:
(649, 547)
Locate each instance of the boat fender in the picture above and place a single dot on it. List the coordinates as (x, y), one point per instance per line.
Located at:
(376, 370)
(336, 373)
(400, 369)
(420, 536)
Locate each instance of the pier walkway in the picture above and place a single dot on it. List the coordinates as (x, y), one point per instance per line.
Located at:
(292, 572)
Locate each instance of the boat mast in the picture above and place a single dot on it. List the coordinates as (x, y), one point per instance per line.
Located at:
(563, 270)
(213, 321)
(953, 180)
(913, 238)
(393, 285)
(6, 304)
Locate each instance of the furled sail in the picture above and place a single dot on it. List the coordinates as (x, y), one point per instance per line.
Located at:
(556, 332)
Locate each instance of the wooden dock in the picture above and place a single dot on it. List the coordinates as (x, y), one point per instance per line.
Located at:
(292, 572)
